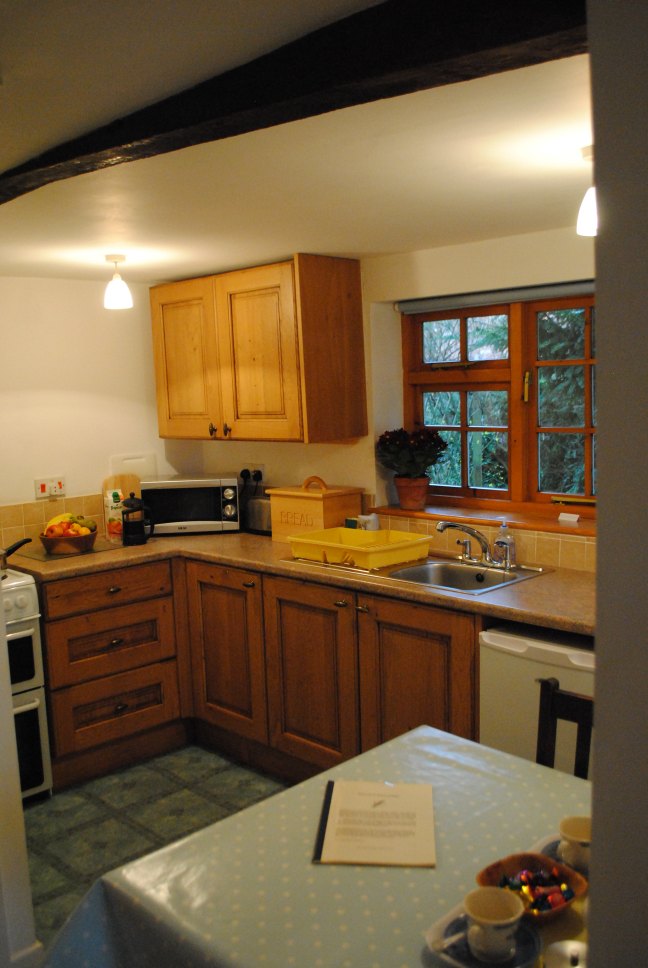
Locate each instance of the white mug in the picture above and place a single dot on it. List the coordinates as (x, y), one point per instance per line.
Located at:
(575, 840)
(493, 917)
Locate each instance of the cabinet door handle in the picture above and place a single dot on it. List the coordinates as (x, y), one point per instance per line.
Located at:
(114, 589)
(341, 604)
(212, 430)
(227, 429)
(249, 584)
(121, 707)
(362, 608)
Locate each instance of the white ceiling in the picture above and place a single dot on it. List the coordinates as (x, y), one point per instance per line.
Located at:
(491, 157)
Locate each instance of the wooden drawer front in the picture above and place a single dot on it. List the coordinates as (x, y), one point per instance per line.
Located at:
(109, 641)
(71, 596)
(97, 712)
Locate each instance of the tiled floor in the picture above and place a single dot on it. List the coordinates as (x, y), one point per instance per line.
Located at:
(79, 834)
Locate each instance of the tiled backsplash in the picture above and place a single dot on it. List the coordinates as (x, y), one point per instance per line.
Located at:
(28, 520)
(532, 547)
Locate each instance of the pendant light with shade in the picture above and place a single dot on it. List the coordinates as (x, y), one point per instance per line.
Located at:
(117, 294)
(587, 221)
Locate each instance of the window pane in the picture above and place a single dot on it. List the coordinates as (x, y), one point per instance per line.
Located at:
(441, 341)
(594, 442)
(593, 372)
(488, 337)
(561, 396)
(561, 334)
(441, 409)
(593, 331)
(488, 460)
(561, 463)
(448, 472)
(487, 408)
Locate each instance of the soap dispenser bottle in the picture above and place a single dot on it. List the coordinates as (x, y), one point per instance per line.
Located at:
(504, 540)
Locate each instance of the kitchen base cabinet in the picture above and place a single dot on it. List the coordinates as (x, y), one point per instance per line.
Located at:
(110, 658)
(417, 667)
(312, 670)
(226, 631)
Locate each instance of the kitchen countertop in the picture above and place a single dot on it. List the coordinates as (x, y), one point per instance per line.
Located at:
(561, 598)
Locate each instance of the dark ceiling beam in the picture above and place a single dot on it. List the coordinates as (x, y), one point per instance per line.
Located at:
(395, 48)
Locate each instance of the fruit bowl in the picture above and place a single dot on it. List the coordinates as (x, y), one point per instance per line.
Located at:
(505, 873)
(68, 544)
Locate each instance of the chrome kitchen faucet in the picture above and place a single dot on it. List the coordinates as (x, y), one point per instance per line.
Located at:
(485, 557)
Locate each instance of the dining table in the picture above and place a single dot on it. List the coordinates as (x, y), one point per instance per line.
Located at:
(245, 891)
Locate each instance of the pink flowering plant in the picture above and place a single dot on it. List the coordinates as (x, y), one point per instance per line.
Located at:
(410, 454)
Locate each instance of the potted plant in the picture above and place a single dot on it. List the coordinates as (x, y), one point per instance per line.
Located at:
(409, 454)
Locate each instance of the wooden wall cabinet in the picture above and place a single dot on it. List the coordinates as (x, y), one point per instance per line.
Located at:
(226, 631)
(110, 655)
(268, 353)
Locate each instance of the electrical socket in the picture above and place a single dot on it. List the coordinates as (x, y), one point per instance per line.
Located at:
(49, 487)
(254, 467)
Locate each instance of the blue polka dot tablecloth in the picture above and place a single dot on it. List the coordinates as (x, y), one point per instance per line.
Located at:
(244, 893)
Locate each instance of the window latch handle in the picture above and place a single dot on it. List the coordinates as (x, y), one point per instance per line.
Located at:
(527, 384)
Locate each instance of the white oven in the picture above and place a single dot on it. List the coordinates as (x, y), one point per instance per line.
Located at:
(19, 600)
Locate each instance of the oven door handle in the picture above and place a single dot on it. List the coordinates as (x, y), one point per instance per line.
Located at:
(34, 704)
(23, 633)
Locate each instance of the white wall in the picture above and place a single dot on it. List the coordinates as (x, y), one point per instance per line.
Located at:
(76, 385)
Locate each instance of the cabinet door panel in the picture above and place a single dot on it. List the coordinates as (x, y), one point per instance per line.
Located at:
(257, 336)
(186, 368)
(311, 652)
(417, 666)
(225, 620)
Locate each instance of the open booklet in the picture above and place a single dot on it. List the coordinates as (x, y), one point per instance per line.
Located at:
(376, 823)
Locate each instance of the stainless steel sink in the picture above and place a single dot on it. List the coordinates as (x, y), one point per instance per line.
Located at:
(448, 574)
(461, 576)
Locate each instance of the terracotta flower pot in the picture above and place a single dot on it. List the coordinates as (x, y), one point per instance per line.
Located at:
(412, 492)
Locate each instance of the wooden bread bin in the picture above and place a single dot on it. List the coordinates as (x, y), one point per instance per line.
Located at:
(311, 506)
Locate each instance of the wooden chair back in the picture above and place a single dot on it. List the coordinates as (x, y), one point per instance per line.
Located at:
(555, 704)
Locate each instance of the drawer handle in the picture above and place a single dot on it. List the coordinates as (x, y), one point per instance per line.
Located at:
(341, 604)
(114, 589)
(114, 643)
(121, 707)
(249, 584)
(362, 608)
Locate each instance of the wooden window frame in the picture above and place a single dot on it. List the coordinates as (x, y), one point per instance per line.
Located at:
(494, 374)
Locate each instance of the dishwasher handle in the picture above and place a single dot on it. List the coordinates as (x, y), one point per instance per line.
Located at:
(539, 651)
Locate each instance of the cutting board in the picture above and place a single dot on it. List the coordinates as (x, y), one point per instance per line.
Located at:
(122, 482)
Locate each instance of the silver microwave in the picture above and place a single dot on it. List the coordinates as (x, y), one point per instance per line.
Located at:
(200, 504)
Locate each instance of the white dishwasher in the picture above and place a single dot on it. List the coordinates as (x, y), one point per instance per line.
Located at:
(511, 659)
